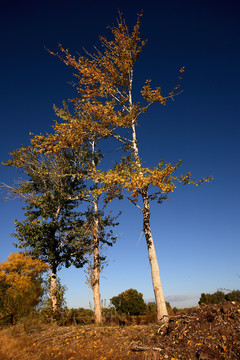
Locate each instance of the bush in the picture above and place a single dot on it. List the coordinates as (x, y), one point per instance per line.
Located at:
(129, 302)
(233, 296)
(75, 317)
(218, 297)
(150, 317)
(151, 307)
(214, 298)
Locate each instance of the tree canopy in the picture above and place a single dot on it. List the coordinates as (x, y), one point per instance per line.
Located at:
(107, 106)
(219, 296)
(129, 302)
(21, 286)
(53, 229)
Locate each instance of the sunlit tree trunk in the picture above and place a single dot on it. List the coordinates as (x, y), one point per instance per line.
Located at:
(105, 82)
(53, 288)
(53, 276)
(96, 260)
(162, 313)
(96, 267)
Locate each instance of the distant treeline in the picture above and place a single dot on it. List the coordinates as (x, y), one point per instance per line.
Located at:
(219, 296)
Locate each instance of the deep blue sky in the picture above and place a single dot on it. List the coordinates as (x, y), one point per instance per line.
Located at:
(197, 233)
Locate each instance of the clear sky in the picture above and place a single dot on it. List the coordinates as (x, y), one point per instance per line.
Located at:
(197, 234)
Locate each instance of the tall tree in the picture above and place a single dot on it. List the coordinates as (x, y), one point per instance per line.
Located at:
(52, 230)
(96, 226)
(102, 235)
(105, 84)
(99, 224)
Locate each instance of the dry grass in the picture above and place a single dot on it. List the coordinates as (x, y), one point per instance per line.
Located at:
(43, 342)
(207, 332)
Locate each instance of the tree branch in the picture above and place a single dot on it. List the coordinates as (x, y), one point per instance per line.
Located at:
(135, 204)
(122, 139)
(136, 347)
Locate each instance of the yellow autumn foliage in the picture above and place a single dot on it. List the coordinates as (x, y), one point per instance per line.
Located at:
(20, 285)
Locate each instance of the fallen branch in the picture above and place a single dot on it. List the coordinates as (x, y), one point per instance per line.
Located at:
(136, 347)
(183, 316)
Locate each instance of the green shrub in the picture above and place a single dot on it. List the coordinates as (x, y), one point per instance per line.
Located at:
(219, 296)
(233, 296)
(129, 302)
(75, 317)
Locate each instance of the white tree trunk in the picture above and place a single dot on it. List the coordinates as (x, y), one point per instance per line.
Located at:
(53, 276)
(53, 289)
(162, 314)
(96, 268)
(96, 262)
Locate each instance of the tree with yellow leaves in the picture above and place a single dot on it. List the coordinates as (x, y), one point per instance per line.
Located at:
(104, 82)
(21, 286)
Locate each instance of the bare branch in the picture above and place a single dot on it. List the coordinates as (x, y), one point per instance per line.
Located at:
(135, 204)
(13, 193)
(122, 139)
(137, 347)
(166, 97)
(173, 95)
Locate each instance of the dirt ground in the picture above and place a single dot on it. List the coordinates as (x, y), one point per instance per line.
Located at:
(209, 332)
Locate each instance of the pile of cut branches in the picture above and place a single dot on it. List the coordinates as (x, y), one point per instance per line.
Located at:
(210, 332)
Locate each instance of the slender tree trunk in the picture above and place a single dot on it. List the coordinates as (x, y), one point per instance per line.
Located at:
(96, 267)
(53, 279)
(53, 288)
(96, 261)
(162, 313)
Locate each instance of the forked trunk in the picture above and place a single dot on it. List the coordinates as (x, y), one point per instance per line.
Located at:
(53, 288)
(162, 314)
(96, 268)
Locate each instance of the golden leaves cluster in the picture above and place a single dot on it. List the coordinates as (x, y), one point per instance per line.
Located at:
(151, 95)
(136, 179)
(126, 175)
(75, 130)
(104, 81)
(20, 270)
(101, 74)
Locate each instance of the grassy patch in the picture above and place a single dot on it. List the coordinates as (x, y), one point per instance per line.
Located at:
(72, 343)
(205, 332)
